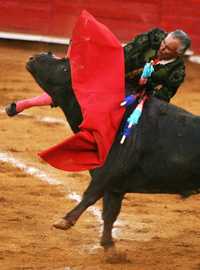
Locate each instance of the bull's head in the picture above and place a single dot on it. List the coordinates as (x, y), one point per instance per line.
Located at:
(48, 70)
(54, 76)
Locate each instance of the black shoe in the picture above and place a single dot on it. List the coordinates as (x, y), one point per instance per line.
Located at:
(11, 109)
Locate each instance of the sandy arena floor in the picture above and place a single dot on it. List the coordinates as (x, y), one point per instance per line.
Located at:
(154, 231)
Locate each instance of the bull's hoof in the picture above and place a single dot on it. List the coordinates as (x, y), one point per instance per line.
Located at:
(63, 224)
(114, 256)
(11, 109)
(107, 243)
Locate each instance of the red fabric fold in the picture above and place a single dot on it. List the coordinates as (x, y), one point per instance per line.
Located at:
(97, 69)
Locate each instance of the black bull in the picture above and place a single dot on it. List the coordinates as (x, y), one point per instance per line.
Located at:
(161, 156)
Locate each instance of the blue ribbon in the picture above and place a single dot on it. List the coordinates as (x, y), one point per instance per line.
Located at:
(147, 71)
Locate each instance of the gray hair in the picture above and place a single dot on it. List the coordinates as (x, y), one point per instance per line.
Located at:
(184, 38)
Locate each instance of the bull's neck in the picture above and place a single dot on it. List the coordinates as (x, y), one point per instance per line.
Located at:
(71, 109)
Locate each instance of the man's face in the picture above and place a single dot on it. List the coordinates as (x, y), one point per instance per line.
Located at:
(169, 48)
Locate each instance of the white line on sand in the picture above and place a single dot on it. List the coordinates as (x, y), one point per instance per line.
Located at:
(8, 158)
(43, 176)
(45, 119)
(51, 120)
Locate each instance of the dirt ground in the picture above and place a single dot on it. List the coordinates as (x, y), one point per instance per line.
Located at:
(154, 231)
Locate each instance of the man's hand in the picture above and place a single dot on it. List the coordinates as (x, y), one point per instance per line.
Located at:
(147, 71)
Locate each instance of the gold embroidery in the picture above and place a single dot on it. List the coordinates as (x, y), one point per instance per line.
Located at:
(158, 87)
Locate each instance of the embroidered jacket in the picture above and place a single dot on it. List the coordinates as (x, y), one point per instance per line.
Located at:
(166, 79)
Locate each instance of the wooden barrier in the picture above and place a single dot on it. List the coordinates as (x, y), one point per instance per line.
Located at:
(52, 19)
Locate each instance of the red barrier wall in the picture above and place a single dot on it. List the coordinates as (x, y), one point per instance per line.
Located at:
(125, 18)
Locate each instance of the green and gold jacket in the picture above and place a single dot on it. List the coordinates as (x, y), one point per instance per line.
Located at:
(166, 79)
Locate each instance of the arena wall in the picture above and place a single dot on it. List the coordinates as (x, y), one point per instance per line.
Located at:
(53, 20)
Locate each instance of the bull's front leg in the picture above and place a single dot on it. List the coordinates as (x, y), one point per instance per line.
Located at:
(93, 193)
(112, 202)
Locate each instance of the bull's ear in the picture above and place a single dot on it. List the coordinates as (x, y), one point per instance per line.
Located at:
(49, 53)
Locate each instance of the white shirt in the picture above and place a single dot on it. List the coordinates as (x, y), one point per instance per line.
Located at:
(164, 62)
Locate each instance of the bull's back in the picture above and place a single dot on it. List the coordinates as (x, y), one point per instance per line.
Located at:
(170, 147)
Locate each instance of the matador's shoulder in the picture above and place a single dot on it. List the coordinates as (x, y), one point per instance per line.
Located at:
(146, 40)
(156, 35)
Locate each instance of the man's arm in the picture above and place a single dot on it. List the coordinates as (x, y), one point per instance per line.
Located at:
(134, 49)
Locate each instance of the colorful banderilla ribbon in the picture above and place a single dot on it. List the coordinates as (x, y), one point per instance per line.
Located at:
(129, 100)
(147, 71)
(133, 119)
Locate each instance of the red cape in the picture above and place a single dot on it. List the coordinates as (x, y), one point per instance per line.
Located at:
(97, 68)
